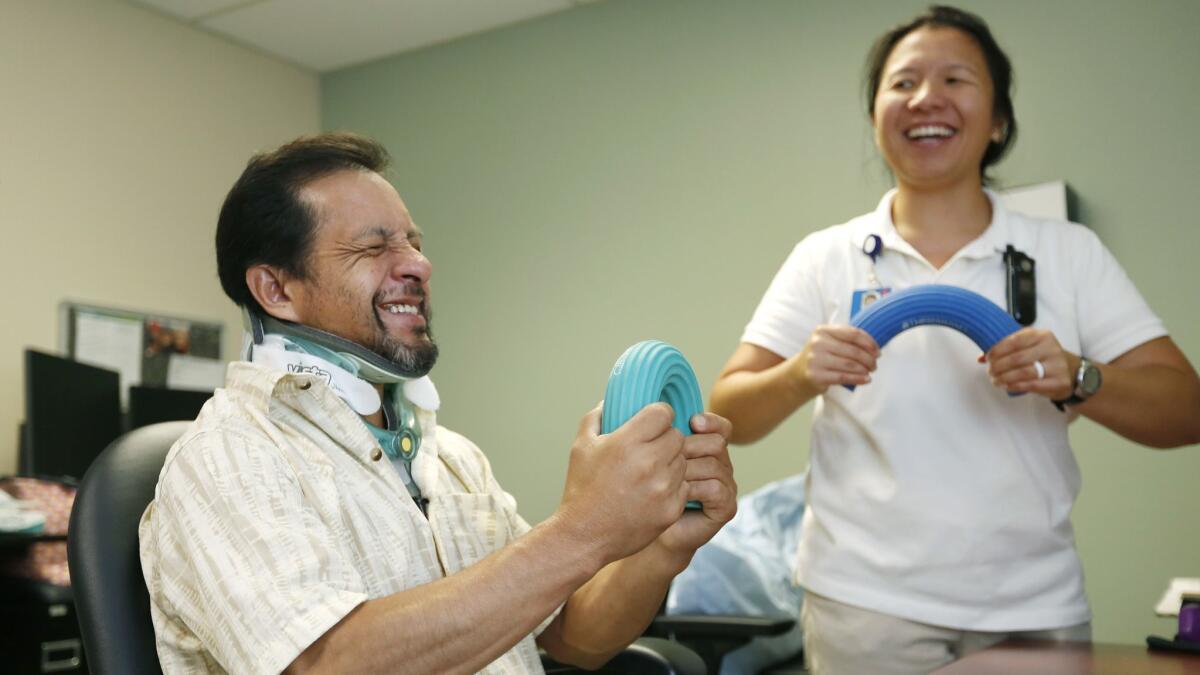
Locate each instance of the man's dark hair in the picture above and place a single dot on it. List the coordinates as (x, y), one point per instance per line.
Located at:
(999, 67)
(264, 220)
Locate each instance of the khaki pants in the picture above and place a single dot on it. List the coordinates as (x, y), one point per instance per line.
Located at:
(843, 640)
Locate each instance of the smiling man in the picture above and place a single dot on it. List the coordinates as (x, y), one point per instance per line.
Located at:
(316, 518)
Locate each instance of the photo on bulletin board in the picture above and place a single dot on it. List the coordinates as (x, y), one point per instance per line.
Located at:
(146, 348)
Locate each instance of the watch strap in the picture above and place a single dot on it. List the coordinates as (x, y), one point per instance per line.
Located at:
(1070, 400)
(1077, 387)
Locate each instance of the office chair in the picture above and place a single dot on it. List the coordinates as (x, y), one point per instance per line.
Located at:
(102, 551)
(110, 592)
(738, 588)
(712, 636)
(646, 656)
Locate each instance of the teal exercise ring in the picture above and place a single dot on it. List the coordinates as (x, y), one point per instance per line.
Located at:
(652, 371)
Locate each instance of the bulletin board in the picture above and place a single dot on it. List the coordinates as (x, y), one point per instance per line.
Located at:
(146, 348)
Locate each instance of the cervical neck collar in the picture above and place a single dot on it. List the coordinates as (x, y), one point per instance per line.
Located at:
(347, 367)
(368, 365)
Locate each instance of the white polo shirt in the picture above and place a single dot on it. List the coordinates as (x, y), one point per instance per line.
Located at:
(933, 495)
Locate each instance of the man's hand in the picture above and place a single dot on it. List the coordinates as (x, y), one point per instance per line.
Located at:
(1013, 364)
(710, 481)
(626, 487)
(629, 488)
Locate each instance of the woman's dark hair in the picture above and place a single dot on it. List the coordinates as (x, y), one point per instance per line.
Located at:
(999, 67)
(264, 220)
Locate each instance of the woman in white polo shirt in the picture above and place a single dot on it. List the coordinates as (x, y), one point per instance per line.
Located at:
(939, 505)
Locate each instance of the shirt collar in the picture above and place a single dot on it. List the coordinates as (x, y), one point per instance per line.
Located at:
(259, 385)
(990, 243)
(995, 237)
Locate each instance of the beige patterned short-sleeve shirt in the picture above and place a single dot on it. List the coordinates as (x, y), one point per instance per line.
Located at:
(275, 516)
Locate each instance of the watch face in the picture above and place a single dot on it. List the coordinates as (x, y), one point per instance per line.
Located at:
(1090, 382)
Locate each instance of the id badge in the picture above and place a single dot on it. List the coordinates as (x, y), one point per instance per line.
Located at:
(864, 298)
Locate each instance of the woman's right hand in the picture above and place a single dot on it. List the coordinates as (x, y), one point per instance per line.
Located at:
(758, 388)
(837, 354)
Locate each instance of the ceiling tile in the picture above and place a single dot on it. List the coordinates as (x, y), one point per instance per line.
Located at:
(325, 35)
(192, 9)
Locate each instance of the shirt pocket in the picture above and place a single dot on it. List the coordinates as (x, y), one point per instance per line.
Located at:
(468, 527)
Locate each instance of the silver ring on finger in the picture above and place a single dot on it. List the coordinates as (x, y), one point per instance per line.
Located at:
(1041, 370)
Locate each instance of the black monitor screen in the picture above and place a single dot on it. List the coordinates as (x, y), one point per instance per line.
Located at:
(72, 412)
(148, 405)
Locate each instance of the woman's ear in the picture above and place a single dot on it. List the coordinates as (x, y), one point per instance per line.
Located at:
(267, 285)
(999, 131)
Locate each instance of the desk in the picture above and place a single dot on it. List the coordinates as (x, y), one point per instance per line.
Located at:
(1072, 658)
(19, 540)
(25, 555)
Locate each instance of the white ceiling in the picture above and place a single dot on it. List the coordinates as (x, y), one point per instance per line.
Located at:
(325, 35)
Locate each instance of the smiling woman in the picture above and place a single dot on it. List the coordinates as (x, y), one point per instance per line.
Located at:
(933, 110)
(879, 550)
(976, 66)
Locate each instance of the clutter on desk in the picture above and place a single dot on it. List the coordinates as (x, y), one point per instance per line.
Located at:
(44, 561)
(1181, 599)
(19, 516)
(1172, 598)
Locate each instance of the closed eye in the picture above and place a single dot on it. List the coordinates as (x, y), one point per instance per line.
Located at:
(961, 75)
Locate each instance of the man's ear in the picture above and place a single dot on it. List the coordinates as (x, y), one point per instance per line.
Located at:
(267, 285)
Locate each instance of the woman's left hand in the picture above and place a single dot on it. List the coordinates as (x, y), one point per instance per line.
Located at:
(1013, 364)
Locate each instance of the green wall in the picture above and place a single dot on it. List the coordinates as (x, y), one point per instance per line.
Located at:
(639, 169)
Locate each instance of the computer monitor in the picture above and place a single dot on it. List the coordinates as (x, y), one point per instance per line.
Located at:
(72, 412)
(148, 405)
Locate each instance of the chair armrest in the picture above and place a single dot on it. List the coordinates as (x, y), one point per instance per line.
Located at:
(720, 625)
(650, 656)
(646, 656)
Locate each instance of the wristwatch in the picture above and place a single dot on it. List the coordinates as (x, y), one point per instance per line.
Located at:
(1087, 383)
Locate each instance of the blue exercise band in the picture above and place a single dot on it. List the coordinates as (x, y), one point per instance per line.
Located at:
(649, 372)
(965, 311)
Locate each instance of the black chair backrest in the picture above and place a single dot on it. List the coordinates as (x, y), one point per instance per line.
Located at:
(102, 550)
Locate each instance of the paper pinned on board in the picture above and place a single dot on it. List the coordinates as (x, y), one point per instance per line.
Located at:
(195, 373)
(111, 342)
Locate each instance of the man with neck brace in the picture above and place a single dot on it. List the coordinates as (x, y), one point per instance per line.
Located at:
(316, 518)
